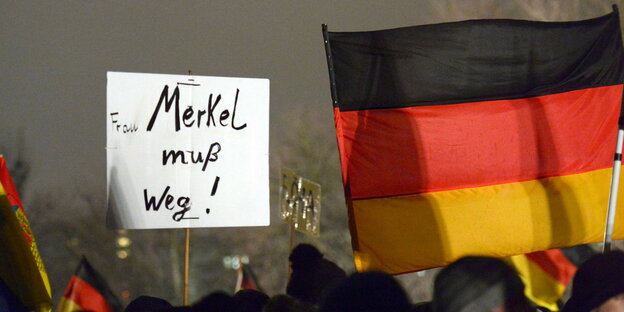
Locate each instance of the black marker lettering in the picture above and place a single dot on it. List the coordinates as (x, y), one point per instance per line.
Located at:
(179, 216)
(151, 203)
(129, 128)
(174, 155)
(211, 108)
(209, 157)
(164, 97)
(184, 201)
(215, 185)
(188, 114)
(199, 159)
(200, 113)
(234, 114)
(224, 116)
(113, 120)
(168, 202)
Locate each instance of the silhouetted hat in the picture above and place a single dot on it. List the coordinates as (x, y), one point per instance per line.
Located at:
(312, 275)
(598, 279)
(148, 304)
(215, 301)
(367, 292)
(249, 300)
(285, 303)
(304, 255)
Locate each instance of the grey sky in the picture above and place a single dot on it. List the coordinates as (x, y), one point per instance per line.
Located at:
(55, 54)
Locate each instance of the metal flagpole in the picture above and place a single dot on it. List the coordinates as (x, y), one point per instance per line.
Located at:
(615, 179)
(330, 63)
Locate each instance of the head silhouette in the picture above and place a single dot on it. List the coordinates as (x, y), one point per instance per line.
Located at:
(596, 281)
(367, 292)
(474, 284)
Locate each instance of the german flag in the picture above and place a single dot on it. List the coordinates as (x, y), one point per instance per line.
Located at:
(246, 279)
(87, 290)
(546, 274)
(480, 137)
(21, 267)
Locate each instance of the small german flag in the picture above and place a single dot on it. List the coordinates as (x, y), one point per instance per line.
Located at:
(87, 290)
(246, 279)
(546, 274)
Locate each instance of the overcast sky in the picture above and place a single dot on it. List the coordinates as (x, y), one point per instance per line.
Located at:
(54, 56)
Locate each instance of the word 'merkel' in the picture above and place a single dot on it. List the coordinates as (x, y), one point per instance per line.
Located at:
(190, 117)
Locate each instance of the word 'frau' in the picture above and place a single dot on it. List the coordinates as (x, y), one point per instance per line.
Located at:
(125, 128)
(189, 116)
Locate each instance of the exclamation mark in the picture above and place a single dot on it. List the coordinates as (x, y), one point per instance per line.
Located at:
(215, 185)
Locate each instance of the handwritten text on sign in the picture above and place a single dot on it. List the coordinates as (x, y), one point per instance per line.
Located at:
(187, 151)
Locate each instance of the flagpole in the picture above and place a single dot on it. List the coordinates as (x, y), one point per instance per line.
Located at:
(330, 63)
(239, 278)
(615, 179)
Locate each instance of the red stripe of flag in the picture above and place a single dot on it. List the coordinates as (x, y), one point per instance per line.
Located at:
(387, 152)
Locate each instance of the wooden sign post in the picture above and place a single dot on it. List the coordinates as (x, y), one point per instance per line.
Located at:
(187, 152)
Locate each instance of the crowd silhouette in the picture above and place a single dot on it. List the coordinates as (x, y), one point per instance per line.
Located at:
(470, 284)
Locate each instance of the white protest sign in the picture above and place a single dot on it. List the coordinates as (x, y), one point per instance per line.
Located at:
(187, 151)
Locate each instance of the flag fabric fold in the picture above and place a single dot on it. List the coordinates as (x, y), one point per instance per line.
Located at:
(481, 137)
(21, 267)
(87, 290)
